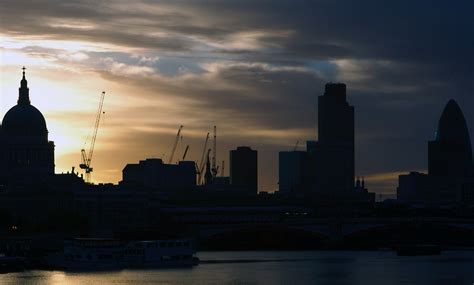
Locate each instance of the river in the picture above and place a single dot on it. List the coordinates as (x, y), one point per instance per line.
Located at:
(280, 267)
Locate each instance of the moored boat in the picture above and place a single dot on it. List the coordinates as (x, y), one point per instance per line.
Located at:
(418, 249)
(111, 254)
(10, 264)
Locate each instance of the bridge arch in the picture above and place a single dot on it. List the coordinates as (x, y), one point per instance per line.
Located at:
(263, 237)
(393, 234)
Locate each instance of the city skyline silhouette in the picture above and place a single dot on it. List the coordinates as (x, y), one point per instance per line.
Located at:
(166, 153)
(236, 141)
(325, 168)
(258, 77)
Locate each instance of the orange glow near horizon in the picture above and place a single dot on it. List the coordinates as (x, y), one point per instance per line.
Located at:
(68, 99)
(142, 109)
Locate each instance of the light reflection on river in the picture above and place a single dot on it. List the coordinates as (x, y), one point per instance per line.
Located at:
(267, 267)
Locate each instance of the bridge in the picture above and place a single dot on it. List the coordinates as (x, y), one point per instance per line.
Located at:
(230, 225)
(359, 232)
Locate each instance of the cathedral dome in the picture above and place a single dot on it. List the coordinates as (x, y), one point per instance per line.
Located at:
(24, 119)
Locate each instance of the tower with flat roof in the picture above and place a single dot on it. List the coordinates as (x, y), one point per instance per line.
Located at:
(335, 149)
(243, 169)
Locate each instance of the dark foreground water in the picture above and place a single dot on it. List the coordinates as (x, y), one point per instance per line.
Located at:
(317, 267)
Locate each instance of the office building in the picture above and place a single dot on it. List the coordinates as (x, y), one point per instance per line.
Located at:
(326, 169)
(292, 171)
(450, 154)
(153, 174)
(450, 179)
(243, 169)
(334, 151)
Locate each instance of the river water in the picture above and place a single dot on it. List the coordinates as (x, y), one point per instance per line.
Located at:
(280, 267)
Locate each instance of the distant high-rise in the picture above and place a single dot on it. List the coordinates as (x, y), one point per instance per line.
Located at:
(450, 179)
(335, 148)
(326, 169)
(335, 117)
(243, 169)
(153, 174)
(293, 166)
(450, 154)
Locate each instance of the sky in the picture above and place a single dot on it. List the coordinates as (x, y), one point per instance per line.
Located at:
(252, 68)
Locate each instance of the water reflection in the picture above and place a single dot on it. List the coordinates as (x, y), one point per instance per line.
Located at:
(376, 267)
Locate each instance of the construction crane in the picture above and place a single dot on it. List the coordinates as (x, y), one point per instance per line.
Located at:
(185, 152)
(208, 176)
(202, 162)
(175, 144)
(214, 167)
(87, 157)
(180, 143)
(296, 145)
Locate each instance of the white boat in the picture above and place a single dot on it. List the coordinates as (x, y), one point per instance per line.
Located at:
(111, 254)
(159, 253)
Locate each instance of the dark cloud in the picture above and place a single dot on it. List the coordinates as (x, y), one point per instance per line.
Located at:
(251, 95)
(415, 30)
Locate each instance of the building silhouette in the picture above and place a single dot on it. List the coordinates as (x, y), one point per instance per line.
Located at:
(31, 194)
(293, 171)
(450, 154)
(26, 154)
(333, 154)
(450, 178)
(158, 199)
(326, 169)
(153, 174)
(208, 177)
(243, 169)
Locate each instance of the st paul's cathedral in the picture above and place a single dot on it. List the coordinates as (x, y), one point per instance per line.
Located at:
(26, 154)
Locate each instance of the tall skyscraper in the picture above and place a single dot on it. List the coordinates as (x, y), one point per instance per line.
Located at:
(335, 149)
(450, 179)
(450, 154)
(326, 169)
(243, 169)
